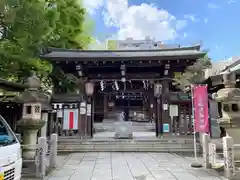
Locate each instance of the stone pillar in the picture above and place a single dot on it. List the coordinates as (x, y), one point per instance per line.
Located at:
(229, 166)
(53, 150)
(105, 106)
(165, 107)
(41, 157)
(205, 146)
(212, 154)
(44, 128)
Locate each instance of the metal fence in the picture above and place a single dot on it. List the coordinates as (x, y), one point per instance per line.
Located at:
(45, 157)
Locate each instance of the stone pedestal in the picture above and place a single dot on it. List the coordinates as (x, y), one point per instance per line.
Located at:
(30, 131)
(29, 140)
(123, 130)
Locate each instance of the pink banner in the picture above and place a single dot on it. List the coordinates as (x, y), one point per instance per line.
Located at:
(200, 104)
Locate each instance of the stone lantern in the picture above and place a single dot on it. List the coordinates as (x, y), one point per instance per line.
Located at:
(229, 97)
(31, 120)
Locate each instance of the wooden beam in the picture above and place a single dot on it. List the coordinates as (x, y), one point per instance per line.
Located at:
(128, 91)
(128, 76)
(97, 80)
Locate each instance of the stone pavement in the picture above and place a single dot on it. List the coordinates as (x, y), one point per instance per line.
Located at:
(128, 166)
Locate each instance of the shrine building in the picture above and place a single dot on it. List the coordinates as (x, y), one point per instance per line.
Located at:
(142, 83)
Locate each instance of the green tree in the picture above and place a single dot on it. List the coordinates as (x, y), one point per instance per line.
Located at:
(27, 27)
(71, 28)
(22, 37)
(73, 31)
(195, 74)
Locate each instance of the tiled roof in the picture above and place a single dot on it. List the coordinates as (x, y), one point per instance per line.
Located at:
(90, 54)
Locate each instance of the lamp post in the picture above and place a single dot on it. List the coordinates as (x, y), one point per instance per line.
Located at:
(89, 90)
(157, 94)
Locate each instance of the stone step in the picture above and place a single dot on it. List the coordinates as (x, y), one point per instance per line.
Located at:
(160, 150)
(126, 145)
(124, 149)
(73, 140)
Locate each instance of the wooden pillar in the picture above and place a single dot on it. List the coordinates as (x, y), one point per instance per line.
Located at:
(181, 119)
(105, 106)
(82, 119)
(89, 116)
(158, 117)
(93, 113)
(50, 123)
(166, 121)
(151, 106)
(93, 108)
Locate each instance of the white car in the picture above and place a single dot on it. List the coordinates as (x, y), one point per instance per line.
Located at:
(10, 153)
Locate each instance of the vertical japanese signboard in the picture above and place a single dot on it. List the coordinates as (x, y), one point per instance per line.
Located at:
(200, 103)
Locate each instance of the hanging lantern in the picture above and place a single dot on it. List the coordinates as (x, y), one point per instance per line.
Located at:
(89, 88)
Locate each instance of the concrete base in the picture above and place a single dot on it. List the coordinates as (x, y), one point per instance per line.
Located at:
(196, 165)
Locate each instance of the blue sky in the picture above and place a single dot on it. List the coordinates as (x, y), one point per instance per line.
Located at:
(214, 23)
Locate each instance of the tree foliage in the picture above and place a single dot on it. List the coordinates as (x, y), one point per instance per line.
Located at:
(70, 27)
(27, 27)
(195, 74)
(22, 36)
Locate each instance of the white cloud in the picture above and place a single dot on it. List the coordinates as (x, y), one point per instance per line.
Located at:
(213, 6)
(205, 20)
(138, 21)
(191, 17)
(93, 5)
